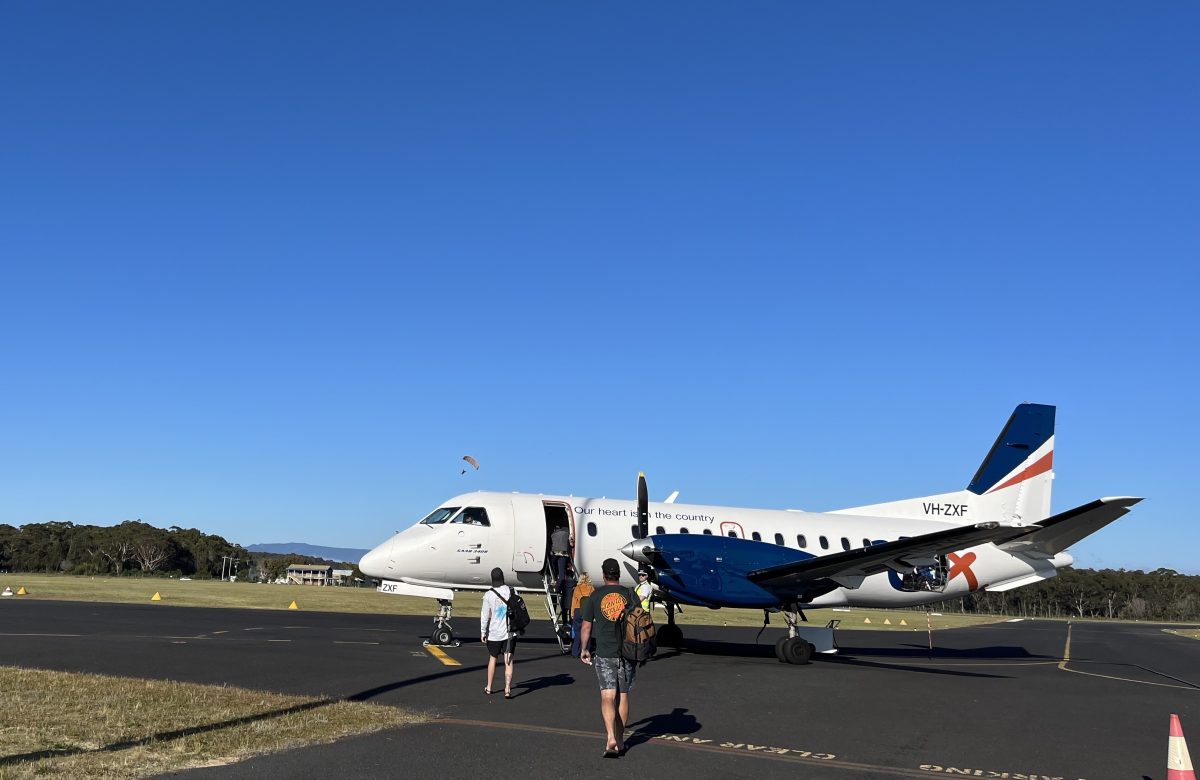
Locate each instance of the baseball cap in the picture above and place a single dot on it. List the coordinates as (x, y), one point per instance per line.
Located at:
(611, 569)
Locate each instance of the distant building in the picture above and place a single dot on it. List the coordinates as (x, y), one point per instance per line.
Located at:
(342, 576)
(309, 574)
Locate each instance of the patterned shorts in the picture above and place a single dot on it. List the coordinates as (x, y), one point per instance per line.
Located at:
(614, 674)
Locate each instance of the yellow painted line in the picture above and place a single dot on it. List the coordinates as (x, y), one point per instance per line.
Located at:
(1067, 658)
(279, 640)
(439, 654)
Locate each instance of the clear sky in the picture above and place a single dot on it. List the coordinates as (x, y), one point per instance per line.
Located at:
(271, 269)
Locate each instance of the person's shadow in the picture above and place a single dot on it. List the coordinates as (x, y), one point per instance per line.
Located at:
(537, 683)
(677, 722)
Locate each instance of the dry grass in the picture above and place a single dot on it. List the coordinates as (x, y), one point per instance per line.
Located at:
(1190, 633)
(65, 724)
(245, 595)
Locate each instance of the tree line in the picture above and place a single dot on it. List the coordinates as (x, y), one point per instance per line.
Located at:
(134, 548)
(1162, 594)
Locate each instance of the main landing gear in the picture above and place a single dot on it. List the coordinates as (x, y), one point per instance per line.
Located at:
(670, 635)
(792, 649)
(443, 634)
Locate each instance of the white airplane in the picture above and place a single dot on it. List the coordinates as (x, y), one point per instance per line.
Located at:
(995, 535)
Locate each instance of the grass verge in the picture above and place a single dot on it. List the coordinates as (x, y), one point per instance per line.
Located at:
(246, 595)
(66, 724)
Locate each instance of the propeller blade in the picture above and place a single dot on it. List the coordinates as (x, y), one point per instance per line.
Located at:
(643, 507)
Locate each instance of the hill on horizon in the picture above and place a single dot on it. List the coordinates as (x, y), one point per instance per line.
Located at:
(342, 554)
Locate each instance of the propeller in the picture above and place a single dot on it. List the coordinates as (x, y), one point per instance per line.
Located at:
(643, 507)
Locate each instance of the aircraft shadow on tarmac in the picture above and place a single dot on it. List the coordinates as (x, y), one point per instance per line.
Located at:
(379, 690)
(992, 653)
(880, 658)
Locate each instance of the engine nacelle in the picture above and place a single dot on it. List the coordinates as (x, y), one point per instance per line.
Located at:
(705, 570)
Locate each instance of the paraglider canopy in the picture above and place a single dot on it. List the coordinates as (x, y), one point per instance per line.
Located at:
(472, 461)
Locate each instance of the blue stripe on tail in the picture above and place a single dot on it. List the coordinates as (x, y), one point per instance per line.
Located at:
(1028, 428)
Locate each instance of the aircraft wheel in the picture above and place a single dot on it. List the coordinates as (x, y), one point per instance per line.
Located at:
(442, 636)
(798, 651)
(779, 650)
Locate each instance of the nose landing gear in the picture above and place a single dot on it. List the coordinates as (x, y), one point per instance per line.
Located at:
(443, 634)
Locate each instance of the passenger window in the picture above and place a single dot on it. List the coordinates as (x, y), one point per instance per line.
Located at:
(707, 532)
(845, 543)
(732, 534)
(659, 530)
(802, 540)
(633, 530)
(591, 528)
(824, 543)
(779, 539)
(756, 536)
(866, 543)
(683, 530)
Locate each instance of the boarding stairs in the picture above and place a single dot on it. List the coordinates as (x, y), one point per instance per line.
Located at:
(554, 608)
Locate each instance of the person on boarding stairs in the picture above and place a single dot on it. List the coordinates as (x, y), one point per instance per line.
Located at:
(600, 615)
(560, 555)
(583, 590)
(493, 631)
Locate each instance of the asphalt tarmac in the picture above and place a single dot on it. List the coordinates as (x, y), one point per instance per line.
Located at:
(994, 701)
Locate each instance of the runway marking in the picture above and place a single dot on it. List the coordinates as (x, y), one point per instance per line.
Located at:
(279, 640)
(338, 642)
(439, 654)
(226, 631)
(252, 629)
(1067, 659)
(151, 636)
(53, 635)
(790, 755)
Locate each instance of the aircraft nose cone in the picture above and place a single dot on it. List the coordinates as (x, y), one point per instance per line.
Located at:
(639, 550)
(375, 563)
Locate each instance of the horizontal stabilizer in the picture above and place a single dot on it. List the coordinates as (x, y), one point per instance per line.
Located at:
(849, 568)
(1057, 533)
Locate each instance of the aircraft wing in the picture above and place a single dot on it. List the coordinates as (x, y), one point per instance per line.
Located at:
(848, 569)
(1055, 534)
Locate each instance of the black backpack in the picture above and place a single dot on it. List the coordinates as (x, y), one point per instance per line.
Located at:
(518, 615)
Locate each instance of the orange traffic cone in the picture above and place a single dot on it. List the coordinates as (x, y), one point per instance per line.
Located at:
(1179, 763)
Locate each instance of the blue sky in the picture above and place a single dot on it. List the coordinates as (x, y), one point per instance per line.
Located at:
(271, 269)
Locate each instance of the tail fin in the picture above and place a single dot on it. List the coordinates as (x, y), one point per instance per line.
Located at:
(1012, 484)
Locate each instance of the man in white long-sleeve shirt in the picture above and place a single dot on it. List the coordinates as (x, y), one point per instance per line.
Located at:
(493, 631)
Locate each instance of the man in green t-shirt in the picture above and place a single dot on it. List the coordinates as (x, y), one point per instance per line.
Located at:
(600, 615)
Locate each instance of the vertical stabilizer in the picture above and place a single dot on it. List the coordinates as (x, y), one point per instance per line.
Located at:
(1014, 481)
(1012, 484)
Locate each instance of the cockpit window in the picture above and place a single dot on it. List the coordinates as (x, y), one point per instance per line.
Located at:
(439, 515)
(472, 515)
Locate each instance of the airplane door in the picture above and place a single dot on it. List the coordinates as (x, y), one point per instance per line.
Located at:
(529, 533)
(730, 528)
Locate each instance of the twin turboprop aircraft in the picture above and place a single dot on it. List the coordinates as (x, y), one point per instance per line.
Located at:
(995, 535)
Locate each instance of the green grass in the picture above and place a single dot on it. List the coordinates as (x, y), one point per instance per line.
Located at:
(246, 595)
(69, 725)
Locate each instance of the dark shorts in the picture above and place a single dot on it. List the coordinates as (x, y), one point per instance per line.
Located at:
(502, 646)
(614, 674)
